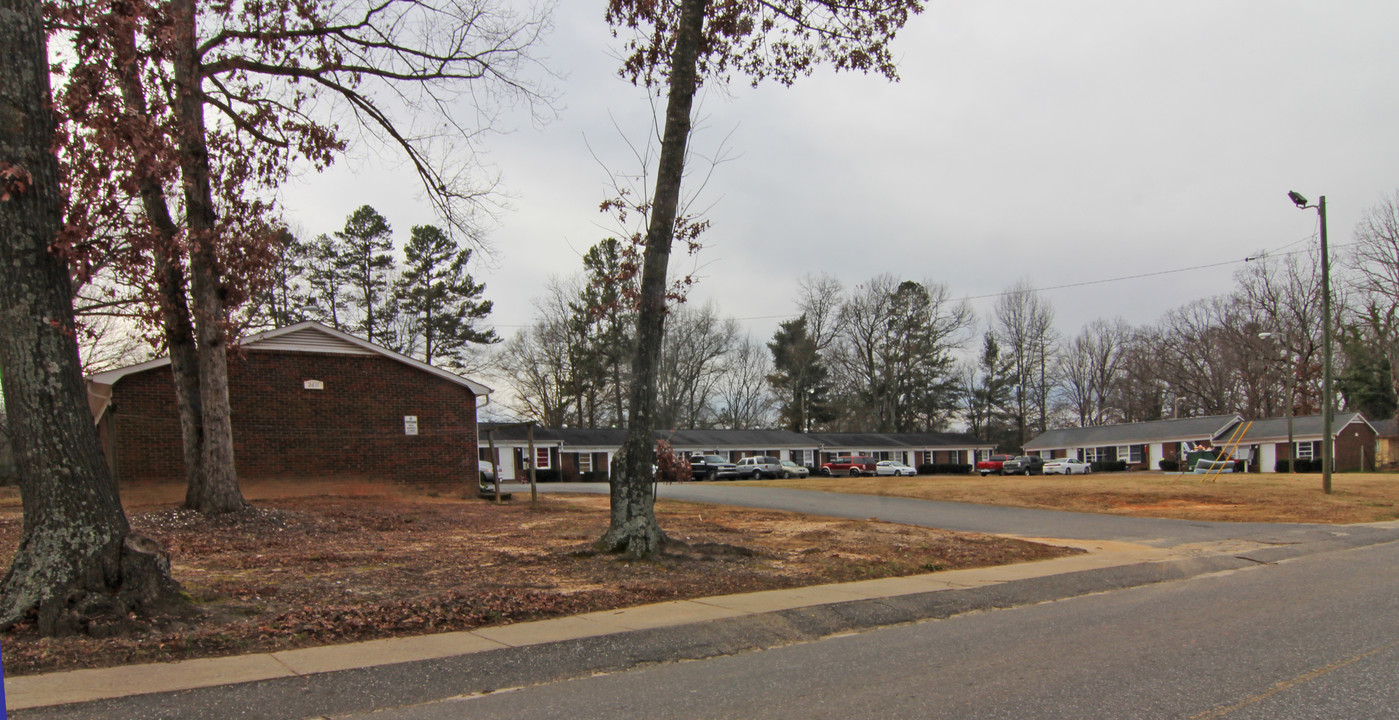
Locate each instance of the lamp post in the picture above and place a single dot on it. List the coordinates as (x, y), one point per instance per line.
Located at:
(1326, 412)
(1291, 402)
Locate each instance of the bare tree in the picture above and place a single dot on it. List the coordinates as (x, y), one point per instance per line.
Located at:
(146, 74)
(895, 353)
(537, 362)
(1375, 260)
(1283, 296)
(1090, 369)
(744, 398)
(1025, 328)
(672, 46)
(692, 365)
(820, 298)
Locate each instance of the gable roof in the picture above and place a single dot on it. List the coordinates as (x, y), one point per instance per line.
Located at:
(685, 439)
(1386, 428)
(911, 440)
(1198, 428)
(1303, 427)
(308, 336)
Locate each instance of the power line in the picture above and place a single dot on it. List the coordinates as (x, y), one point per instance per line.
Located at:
(1087, 283)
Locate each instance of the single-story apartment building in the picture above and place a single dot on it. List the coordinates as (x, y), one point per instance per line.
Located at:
(1144, 445)
(307, 401)
(578, 451)
(1353, 439)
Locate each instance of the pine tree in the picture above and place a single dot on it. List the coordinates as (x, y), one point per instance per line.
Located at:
(800, 377)
(439, 300)
(604, 317)
(364, 260)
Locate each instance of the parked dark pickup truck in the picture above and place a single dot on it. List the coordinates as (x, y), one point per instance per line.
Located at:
(1023, 465)
(712, 467)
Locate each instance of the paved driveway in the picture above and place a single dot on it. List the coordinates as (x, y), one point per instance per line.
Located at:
(988, 518)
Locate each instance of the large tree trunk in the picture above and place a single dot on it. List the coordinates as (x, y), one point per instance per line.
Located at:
(169, 276)
(218, 489)
(77, 561)
(633, 528)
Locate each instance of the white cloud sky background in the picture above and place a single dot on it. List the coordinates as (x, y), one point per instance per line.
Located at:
(1062, 142)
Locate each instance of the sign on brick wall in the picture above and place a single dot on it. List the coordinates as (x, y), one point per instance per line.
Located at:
(410, 424)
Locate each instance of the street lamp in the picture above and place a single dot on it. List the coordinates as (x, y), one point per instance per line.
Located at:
(1326, 412)
(1291, 401)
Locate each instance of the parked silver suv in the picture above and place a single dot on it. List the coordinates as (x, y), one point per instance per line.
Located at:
(759, 467)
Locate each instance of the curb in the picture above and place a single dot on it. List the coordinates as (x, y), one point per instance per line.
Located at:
(361, 677)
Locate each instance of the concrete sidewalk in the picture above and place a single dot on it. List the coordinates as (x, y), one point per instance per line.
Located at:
(80, 686)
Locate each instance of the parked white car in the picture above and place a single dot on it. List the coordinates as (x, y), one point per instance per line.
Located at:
(1066, 466)
(890, 467)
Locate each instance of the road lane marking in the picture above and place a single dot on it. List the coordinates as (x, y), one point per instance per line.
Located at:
(1223, 710)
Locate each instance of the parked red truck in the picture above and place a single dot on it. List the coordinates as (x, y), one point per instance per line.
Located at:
(993, 465)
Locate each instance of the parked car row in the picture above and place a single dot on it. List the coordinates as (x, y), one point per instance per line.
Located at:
(761, 467)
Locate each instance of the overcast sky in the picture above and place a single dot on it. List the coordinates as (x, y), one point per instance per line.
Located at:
(1062, 142)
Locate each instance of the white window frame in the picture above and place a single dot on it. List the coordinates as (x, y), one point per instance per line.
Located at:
(541, 456)
(585, 462)
(1299, 452)
(1130, 453)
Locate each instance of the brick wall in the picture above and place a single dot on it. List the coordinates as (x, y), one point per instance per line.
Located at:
(354, 427)
(1355, 448)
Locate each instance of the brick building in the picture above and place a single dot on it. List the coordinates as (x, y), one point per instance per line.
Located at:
(307, 401)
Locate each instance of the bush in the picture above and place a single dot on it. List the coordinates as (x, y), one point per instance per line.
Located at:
(1304, 465)
(944, 469)
(593, 476)
(1109, 466)
(541, 475)
(1169, 465)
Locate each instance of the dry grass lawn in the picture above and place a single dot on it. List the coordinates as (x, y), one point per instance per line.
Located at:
(1355, 497)
(325, 563)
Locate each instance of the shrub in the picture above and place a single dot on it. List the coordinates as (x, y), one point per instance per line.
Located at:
(944, 469)
(1304, 465)
(1109, 466)
(1169, 465)
(542, 475)
(593, 476)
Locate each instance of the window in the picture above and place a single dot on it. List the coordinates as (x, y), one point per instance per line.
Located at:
(1089, 454)
(1130, 453)
(1047, 454)
(541, 458)
(585, 462)
(1304, 451)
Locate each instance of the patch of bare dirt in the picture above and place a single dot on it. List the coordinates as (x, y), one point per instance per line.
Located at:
(323, 569)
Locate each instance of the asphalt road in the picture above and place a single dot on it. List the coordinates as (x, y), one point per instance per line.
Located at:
(980, 518)
(1313, 637)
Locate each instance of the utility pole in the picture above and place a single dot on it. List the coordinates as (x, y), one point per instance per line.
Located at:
(1326, 407)
(1326, 411)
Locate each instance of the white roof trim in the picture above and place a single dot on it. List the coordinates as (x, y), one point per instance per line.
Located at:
(363, 346)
